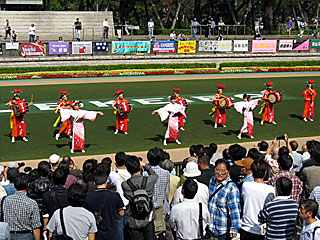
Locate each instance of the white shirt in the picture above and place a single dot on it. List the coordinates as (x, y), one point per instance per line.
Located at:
(253, 203)
(150, 24)
(306, 156)
(215, 157)
(105, 23)
(117, 178)
(184, 218)
(201, 196)
(297, 158)
(32, 30)
(307, 231)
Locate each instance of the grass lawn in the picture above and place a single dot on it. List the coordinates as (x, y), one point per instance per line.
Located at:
(146, 131)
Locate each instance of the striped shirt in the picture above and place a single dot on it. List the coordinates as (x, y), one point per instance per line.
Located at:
(280, 216)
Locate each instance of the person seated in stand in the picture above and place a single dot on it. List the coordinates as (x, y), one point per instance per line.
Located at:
(182, 37)
(173, 36)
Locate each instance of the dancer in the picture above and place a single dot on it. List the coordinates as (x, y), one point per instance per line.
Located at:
(122, 107)
(182, 101)
(19, 108)
(78, 126)
(171, 111)
(309, 95)
(246, 107)
(217, 112)
(267, 107)
(66, 125)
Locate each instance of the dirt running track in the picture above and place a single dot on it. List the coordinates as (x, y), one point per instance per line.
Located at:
(176, 154)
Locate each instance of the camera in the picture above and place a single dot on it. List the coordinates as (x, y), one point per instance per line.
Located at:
(281, 138)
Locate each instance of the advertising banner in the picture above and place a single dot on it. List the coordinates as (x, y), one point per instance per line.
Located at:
(315, 43)
(301, 45)
(125, 47)
(163, 46)
(240, 45)
(12, 46)
(58, 48)
(81, 47)
(187, 46)
(215, 46)
(101, 47)
(285, 45)
(32, 49)
(264, 46)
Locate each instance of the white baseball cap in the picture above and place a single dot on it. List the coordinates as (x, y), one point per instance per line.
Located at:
(12, 165)
(54, 158)
(192, 170)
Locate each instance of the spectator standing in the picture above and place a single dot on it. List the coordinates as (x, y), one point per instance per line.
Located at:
(285, 165)
(208, 27)
(77, 27)
(281, 213)
(8, 185)
(185, 216)
(7, 28)
(118, 27)
(215, 155)
(302, 26)
(151, 28)
(289, 25)
(224, 203)
(315, 27)
(194, 25)
(14, 36)
(110, 202)
(32, 33)
(253, 203)
(138, 225)
(297, 157)
(126, 27)
(307, 212)
(212, 26)
(106, 27)
(315, 195)
(174, 180)
(263, 147)
(206, 172)
(21, 212)
(79, 223)
(220, 27)
(305, 153)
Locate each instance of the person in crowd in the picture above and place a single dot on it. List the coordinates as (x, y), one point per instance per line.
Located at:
(173, 36)
(117, 177)
(21, 212)
(220, 37)
(281, 213)
(106, 26)
(208, 27)
(305, 153)
(194, 26)
(54, 160)
(182, 37)
(174, 180)
(238, 153)
(221, 26)
(192, 171)
(315, 195)
(285, 165)
(302, 25)
(212, 26)
(60, 39)
(88, 169)
(38, 39)
(139, 225)
(7, 28)
(32, 33)
(77, 28)
(74, 220)
(70, 178)
(224, 203)
(297, 157)
(151, 28)
(111, 203)
(253, 203)
(185, 216)
(263, 147)
(206, 172)
(310, 146)
(289, 25)
(8, 185)
(311, 224)
(3, 192)
(161, 190)
(215, 155)
(126, 27)
(118, 28)
(73, 166)
(315, 27)
(245, 171)
(309, 95)
(14, 36)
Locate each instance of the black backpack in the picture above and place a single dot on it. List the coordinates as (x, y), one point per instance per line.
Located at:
(141, 205)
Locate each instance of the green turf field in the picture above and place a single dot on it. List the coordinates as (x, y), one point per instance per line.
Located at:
(145, 130)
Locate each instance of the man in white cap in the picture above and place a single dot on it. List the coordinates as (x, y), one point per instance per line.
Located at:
(192, 172)
(54, 160)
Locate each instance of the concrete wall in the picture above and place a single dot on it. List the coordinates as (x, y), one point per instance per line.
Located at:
(52, 24)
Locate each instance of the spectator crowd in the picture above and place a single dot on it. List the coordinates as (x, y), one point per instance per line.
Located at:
(265, 192)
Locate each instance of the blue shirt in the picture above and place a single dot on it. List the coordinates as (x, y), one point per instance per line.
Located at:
(10, 189)
(195, 24)
(224, 207)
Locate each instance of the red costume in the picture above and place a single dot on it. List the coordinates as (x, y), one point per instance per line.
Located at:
(181, 101)
(309, 95)
(123, 108)
(66, 126)
(268, 109)
(219, 113)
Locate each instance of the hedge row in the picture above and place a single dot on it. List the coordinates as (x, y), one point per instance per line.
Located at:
(105, 67)
(271, 64)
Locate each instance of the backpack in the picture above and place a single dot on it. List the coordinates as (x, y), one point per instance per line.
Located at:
(141, 205)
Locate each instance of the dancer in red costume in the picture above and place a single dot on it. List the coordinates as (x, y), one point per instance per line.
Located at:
(122, 108)
(182, 101)
(267, 107)
(66, 125)
(309, 95)
(19, 108)
(218, 113)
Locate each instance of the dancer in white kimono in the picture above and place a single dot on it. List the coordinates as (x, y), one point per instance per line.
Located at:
(172, 111)
(246, 107)
(78, 126)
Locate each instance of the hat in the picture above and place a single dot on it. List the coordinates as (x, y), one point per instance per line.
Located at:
(192, 170)
(119, 92)
(219, 86)
(192, 159)
(177, 90)
(63, 93)
(245, 163)
(268, 84)
(54, 158)
(16, 92)
(12, 165)
(311, 82)
(1, 169)
(80, 103)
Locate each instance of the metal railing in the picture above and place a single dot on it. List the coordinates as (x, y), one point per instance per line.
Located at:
(226, 30)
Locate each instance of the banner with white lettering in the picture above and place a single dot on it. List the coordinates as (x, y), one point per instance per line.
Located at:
(215, 46)
(163, 46)
(12, 46)
(285, 45)
(240, 45)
